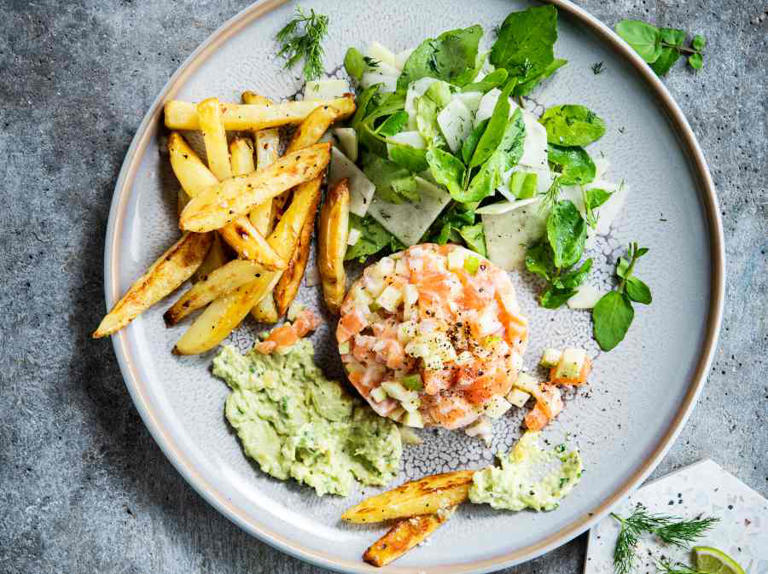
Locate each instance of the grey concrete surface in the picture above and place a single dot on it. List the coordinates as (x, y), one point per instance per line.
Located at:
(83, 487)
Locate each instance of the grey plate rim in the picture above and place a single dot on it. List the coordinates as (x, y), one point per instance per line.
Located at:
(149, 128)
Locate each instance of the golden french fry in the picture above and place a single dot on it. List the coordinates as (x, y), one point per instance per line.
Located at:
(332, 235)
(403, 536)
(217, 256)
(224, 314)
(182, 199)
(317, 123)
(215, 138)
(241, 156)
(248, 243)
(424, 496)
(169, 271)
(181, 115)
(218, 283)
(192, 173)
(223, 203)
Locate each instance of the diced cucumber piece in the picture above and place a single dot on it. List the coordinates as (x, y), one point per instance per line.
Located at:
(497, 407)
(390, 298)
(379, 395)
(527, 383)
(412, 382)
(328, 89)
(413, 419)
(399, 392)
(472, 264)
(550, 358)
(381, 54)
(571, 363)
(518, 397)
(397, 414)
(523, 185)
(481, 428)
(361, 189)
(455, 121)
(412, 405)
(347, 141)
(344, 348)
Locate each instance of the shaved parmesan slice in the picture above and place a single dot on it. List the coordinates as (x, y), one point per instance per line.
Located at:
(361, 189)
(509, 234)
(382, 54)
(535, 143)
(415, 90)
(408, 221)
(402, 57)
(455, 121)
(316, 90)
(470, 99)
(505, 206)
(586, 297)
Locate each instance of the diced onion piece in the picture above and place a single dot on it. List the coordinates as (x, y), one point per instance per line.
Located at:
(481, 428)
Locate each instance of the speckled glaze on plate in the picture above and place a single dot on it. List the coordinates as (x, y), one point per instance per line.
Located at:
(640, 394)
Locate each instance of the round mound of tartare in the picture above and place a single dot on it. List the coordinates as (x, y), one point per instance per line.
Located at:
(432, 336)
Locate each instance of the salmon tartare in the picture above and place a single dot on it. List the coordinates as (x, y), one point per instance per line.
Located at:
(432, 336)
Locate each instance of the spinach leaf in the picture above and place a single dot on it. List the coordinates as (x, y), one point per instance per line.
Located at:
(566, 233)
(447, 170)
(489, 82)
(526, 87)
(409, 157)
(373, 238)
(644, 38)
(450, 57)
(394, 124)
(469, 145)
(474, 237)
(572, 125)
(573, 164)
(611, 318)
(494, 132)
(393, 182)
(525, 42)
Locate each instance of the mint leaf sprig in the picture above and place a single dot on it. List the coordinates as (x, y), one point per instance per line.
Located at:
(303, 37)
(662, 47)
(613, 313)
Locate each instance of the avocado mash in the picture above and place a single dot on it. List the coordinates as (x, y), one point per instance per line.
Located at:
(296, 423)
(529, 477)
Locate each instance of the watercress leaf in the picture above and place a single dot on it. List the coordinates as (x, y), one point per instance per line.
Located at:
(665, 61)
(699, 42)
(553, 297)
(354, 63)
(595, 197)
(672, 36)
(447, 170)
(364, 100)
(525, 42)
(393, 182)
(621, 267)
(474, 237)
(640, 252)
(490, 81)
(450, 57)
(572, 125)
(566, 233)
(538, 260)
(485, 181)
(644, 38)
(574, 165)
(373, 238)
(494, 132)
(409, 157)
(469, 145)
(369, 140)
(696, 61)
(526, 87)
(638, 291)
(573, 279)
(394, 124)
(611, 318)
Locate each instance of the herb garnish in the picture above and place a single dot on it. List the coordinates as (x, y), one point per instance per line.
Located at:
(371, 62)
(662, 47)
(301, 38)
(671, 529)
(667, 567)
(598, 68)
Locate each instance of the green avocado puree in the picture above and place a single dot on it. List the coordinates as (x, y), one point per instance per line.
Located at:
(297, 424)
(529, 477)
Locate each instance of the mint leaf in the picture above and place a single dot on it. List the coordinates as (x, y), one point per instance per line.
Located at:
(644, 38)
(572, 125)
(450, 57)
(573, 164)
(566, 233)
(525, 42)
(672, 36)
(611, 318)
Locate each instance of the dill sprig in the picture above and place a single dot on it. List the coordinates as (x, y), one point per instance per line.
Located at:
(668, 567)
(551, 195)
(371, 62)
(670, 529)
(598, 68)
(302, 37)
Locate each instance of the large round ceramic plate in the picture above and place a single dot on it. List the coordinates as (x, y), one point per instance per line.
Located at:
(640, 394)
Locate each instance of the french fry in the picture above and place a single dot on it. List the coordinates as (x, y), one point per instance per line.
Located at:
(217, 256)
(181, 115)
(182, 199)
(241, 235)
(224, 314)
(215, 138)
(172, 268)
(241, 156)
(317, 123)
(224, 202)
(219, 282)
(424, 496)
(332, 235)
(403, 536)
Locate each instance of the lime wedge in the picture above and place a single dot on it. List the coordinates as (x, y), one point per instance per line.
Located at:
(714, 561)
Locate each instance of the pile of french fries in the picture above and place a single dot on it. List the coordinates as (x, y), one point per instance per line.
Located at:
(247, 224)
(418, 508)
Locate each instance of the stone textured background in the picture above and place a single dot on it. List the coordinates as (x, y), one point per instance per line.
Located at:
(83, 487)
